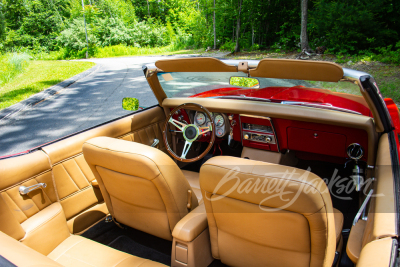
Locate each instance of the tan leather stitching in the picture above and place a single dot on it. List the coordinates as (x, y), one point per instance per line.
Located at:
(24, 181)
(43, 223)
(76, 192)
(70, 176)
(65, 251)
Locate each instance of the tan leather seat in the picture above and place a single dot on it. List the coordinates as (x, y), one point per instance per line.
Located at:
(142, 186)
(194, 180)
(74, 251)
(263, 214)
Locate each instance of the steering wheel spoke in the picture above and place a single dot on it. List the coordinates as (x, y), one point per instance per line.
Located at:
(177, 124)
(186, 148)
(204, 130)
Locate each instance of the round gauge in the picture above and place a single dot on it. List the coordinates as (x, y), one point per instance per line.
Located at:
(200, 118)
(220, 132)
(219, 120)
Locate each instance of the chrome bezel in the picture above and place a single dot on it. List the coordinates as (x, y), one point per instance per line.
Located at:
(223, 120)
(355, 158)
(195, 118)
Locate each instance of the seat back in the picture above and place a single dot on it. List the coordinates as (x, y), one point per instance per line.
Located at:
(263, 214)
(142, 186)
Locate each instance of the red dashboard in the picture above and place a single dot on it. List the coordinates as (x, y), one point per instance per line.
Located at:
(309, 140)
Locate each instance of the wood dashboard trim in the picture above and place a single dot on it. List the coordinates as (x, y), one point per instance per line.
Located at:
(275, 110)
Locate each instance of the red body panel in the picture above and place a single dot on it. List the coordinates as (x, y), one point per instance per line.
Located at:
(395, 115)
(297, 93)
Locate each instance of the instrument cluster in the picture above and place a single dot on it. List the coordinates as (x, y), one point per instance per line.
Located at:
(201, 120)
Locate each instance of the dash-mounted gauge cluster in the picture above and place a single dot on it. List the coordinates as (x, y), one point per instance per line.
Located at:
(220, 119)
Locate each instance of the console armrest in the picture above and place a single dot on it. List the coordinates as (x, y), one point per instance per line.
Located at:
(192, 225)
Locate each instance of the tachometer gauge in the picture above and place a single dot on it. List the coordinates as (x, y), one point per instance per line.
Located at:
(220, 132)
(200, 118)
(219, 120)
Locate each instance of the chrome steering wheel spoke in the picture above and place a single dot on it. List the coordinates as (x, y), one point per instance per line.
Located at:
(177, 124)
(186, 148)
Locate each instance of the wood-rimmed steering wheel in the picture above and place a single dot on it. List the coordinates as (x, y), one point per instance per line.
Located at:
(190, 132)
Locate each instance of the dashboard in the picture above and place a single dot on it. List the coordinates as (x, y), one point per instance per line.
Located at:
(314, 141)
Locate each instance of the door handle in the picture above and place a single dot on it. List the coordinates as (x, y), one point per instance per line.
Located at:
(155, 142)
(23, 190)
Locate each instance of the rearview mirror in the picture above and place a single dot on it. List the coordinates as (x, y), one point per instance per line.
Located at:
(130, 103)
(244, 82)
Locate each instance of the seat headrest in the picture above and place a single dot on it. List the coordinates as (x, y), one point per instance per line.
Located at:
(127, 157)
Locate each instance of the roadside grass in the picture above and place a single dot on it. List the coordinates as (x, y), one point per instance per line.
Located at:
(39, 75)
(112, 51)
(11, 65)
(122, 50)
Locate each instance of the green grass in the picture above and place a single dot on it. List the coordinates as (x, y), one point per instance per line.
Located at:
(11, 65)
(122, 50)
(388, 80)
(340, 87)
(39, 75)
(112, 51)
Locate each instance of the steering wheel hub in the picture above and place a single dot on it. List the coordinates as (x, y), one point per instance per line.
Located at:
(191, 132)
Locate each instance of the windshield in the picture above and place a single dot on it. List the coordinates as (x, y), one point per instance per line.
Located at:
(341, 95)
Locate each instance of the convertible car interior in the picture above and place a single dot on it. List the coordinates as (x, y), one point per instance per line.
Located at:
(252, 163)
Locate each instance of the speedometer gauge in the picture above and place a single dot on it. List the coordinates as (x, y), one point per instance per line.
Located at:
(219, 120)
(200, 118)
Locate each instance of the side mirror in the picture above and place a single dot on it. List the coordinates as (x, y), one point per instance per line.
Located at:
(244, 82)
(130, 103)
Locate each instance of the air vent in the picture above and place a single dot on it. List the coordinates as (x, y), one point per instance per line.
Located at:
(355, 151)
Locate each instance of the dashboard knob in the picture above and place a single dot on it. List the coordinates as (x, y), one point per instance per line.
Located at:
(230, 117)
(180, 118)
(246, 136)
(268, 139)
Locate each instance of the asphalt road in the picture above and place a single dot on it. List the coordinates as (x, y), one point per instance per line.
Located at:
(90, 101)
(97, 98)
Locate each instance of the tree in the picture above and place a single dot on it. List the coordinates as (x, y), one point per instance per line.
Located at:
(215, 33)
(2, 22)
(303, 35)
(237, 46)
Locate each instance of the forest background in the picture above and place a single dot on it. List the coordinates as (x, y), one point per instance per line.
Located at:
(36, 34)
(56, 27)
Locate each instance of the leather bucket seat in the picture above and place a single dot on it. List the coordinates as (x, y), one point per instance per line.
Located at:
(142, 186)
(264, 214)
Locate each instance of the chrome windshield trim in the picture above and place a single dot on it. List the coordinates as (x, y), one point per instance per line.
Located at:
(355, 74)
(323, 106)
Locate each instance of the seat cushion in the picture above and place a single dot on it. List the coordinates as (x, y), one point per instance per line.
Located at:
(338, 224)
(80, 251)
(194, 181)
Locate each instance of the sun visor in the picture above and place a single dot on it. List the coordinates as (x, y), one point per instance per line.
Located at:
(298, 70)
(200, 64)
